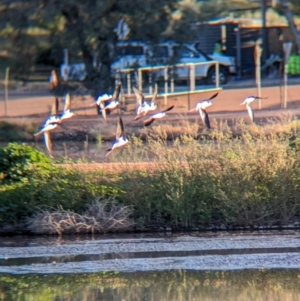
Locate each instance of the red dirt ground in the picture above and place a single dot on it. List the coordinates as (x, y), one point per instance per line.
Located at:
(28, 109)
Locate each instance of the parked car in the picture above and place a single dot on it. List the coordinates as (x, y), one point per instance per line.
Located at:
(137, 54)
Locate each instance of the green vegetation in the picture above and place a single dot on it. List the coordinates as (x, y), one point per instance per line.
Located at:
(16, 132)
(252, 180)
(28, 183)
(171, 285)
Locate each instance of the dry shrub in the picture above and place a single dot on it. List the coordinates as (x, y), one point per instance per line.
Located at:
(100, 217)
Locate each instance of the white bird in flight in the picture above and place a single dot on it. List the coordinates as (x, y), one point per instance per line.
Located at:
(67, 113)
(157, 116)
(247, 102)
(201, 106)
(144, 108)
(107, 103)
(121, 140)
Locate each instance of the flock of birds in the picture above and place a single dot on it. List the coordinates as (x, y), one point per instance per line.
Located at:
(106, 103)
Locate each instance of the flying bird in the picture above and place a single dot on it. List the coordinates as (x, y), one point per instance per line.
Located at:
(52, 121)
(49, 126)
(144, 108)
(107, 103)
(48, 142)
(54, 116)
(201, 106)
(247, 102)
(67, 113)
(157, 116)
(121, 140)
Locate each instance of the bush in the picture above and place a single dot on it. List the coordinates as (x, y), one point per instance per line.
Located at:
(29, 182)
(19, 162)
(100, 217)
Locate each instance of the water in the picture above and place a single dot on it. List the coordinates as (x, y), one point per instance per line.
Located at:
(195, 266)
(170, 285)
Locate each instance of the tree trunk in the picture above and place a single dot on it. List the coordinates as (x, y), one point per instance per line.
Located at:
(290, 18)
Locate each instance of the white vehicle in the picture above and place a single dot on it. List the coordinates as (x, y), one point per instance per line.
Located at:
(135, 54)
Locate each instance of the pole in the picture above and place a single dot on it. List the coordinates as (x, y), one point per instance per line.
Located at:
(192, 77)
(140, 78)
(166, 83)
(257, 57)
(150, 82)
(172, 80)
(285, 80)
(217, 75)
(287, 48)
(128, 83)
(238, 52)
(263, 6)
(6, 88)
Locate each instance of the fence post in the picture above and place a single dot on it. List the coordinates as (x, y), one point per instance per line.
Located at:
(166, 83)
(257, 56)
(217, 75)
(128, 83)
(287, 47)
(192, 77)
(150, 82)
(140, 83)
(6, 88)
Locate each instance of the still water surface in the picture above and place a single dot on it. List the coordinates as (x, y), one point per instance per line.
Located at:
(211, 266)
(249, 285)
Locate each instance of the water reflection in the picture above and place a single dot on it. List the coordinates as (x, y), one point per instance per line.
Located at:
(173, 285)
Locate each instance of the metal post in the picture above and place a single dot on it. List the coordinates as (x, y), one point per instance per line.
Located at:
(172, 81)
(150, 83)
(140, 84)
(217, 75)
(238, 52)
(287, 47)
(257, 57)
(263, 7)
(166, 83)
(192, 77)
(66, 56)
(128, 83)
(285, 80)
(6, 88)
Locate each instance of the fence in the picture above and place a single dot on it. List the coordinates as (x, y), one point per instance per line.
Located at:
(168, 75)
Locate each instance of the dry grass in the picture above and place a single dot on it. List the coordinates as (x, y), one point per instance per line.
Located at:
(100, 217)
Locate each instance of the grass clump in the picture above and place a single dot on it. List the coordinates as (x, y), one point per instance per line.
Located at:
(100, 217)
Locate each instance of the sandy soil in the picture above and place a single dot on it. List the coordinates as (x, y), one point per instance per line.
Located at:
(29, 107)
(228, 102)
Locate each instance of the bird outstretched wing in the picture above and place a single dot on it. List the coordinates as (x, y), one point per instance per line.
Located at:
(204, 117)
(67, 102)
(55, 107)
(48, 142)
(168, 109)
(154, 93)
(120, 129)
(148, 121)
(250, 112)
(117, 91)
(139, 96)
(214, 96)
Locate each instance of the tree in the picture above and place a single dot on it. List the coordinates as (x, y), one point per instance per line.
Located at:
(284, 5)
(88, 28)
